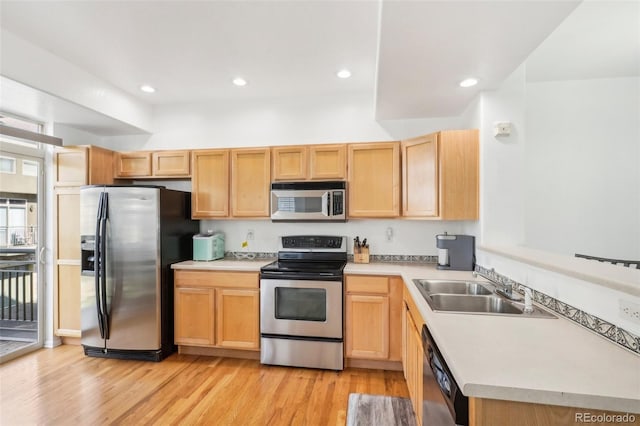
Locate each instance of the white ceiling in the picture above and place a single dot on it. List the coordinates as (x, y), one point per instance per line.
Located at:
(409, 55)
(36, 104)
(428, 47)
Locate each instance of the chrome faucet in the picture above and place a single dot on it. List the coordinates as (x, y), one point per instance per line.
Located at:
(507, 291)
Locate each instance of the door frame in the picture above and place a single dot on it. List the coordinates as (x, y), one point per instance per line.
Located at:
(42, 156)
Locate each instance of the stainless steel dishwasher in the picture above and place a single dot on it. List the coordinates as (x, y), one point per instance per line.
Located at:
(443, 403)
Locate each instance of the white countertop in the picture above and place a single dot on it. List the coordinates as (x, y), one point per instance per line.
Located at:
(536, 360)
(540, 360)
(224, 265)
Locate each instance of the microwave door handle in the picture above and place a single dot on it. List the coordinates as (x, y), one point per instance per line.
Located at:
(326, 199)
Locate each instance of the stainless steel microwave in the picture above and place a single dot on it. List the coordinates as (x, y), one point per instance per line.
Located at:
(308, 201)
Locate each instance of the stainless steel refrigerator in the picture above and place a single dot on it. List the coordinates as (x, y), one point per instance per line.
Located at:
(130, 235)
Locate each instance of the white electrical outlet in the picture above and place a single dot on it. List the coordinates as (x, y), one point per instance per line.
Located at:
(250, 235)
(630, 311)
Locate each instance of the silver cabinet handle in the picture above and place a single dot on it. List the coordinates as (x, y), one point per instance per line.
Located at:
(41, 258)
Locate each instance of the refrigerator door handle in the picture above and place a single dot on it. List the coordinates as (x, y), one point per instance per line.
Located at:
(103, 263)
(97, 266)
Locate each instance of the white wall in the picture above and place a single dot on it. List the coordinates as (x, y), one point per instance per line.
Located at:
(517, 180)
(582, 191)
(268, 122)
(72, 136)
(501, 163)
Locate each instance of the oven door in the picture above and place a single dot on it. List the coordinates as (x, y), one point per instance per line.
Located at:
(306, 204)
(301, 308)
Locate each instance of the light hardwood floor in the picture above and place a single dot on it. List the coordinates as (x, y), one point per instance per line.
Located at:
(63, 387)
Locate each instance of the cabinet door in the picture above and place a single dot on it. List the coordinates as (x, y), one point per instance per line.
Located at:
(238, 318)
(420, 176)
(417, 357)
(100, 166)
(405, 342)
(67, 261)
(374, 180)
(396, 284)
(70, 165)
(210, 184)
(459, 174)
(250, 182)
(194, 316)
(367, 326)
(68, 298)
(412, 363)
(289, 162)
(170, 164)
(328, 162)
(133, 164)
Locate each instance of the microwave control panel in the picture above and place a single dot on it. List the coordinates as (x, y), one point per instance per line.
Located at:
(338, 203)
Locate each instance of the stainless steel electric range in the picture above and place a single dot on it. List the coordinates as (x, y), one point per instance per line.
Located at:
(301, 303)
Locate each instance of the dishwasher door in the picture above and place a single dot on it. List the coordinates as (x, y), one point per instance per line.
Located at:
(439, 390)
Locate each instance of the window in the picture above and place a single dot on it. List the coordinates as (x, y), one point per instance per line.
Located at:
(23, 124)
(29, 168)
(7, 165)
(13, 222)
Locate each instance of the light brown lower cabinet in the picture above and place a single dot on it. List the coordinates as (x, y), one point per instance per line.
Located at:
(194, 316)
(237, 318)
(493, 412)
(412, 360)
(217, 309)
(373, 317)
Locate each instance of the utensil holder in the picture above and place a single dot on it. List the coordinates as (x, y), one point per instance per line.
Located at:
(361, 256)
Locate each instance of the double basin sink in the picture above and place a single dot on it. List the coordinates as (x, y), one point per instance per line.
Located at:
(472, 298)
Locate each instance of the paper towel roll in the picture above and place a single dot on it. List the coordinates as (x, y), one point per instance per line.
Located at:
(443, 257)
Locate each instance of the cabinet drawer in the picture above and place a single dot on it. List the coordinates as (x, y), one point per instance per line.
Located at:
(367, 284)
(216, 279)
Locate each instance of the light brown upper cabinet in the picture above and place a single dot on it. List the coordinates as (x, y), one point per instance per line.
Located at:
(157, 164)
(170, 163)
(250, 182)
(133, 164)
(327, 162)
(289, 162)
(210, 184)
(374, 179)
(420, 176)
(312, 162)
(83, 165)
(440, 176)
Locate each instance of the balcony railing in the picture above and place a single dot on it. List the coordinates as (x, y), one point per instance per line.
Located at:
(18, 293)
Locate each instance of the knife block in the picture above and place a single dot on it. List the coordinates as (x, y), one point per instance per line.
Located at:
(361, 256)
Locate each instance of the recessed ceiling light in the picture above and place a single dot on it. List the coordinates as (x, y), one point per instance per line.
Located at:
(344, 73)
(239, 81)
(146, 88)
(468, 82)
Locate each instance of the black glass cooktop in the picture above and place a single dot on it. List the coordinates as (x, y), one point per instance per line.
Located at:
(325, 268)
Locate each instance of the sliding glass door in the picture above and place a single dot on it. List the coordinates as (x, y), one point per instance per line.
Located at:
(21, 275)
